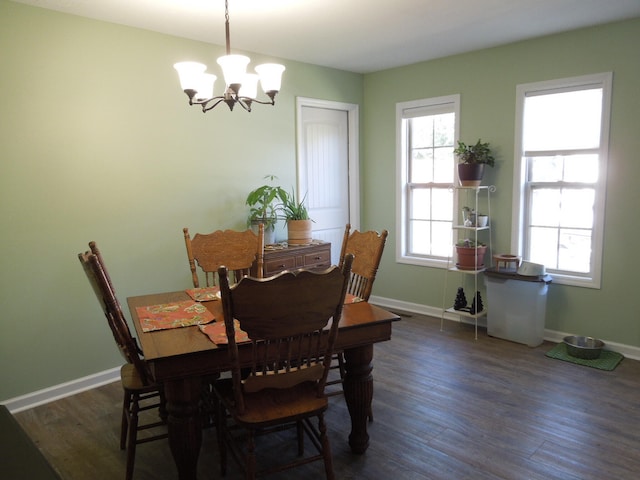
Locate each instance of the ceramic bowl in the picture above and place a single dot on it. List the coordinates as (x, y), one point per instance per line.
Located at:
(531, 269)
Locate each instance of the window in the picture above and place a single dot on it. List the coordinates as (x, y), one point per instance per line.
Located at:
(562, 131)
(426, 135)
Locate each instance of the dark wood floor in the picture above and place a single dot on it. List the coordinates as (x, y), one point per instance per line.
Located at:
(445, 406)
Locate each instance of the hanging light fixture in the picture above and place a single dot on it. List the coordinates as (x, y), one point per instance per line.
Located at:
(241, 87)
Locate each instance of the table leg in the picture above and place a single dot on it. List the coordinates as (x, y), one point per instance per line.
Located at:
(185, 429)
(358, 392)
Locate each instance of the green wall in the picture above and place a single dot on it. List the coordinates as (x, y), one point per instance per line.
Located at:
(97, 142)
(486, 81)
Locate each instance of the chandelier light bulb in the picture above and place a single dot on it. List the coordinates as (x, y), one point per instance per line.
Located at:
(234, 68)
(270, 76)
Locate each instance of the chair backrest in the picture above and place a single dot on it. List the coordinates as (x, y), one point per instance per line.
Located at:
(284, 317)
(236, 250)
(100, 281)
(367, 248)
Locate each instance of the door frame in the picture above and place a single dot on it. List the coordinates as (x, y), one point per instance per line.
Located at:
(353, 114)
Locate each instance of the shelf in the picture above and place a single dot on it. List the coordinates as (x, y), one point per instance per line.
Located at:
(471, 197)
(462, 313)
(473, 229)
(468, 272)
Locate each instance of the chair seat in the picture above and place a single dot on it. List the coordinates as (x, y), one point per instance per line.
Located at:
(131, 380)
(273, 406)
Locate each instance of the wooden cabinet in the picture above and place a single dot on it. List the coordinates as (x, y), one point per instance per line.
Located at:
(278, 257)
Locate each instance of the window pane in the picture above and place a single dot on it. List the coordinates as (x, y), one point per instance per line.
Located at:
(577, 208)
(421, 132)
(545, 169)
(421, 167)
(419, 238)
(568, 168)
(443, 165)
(575, 250)
(443, 129)
(420, 203)
(543, 246)
(545, 207)
(442, 202)
(581, 168)
(442, 239)
(563, 121)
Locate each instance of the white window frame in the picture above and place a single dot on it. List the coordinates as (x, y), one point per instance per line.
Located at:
(429, 106)
(519, 208)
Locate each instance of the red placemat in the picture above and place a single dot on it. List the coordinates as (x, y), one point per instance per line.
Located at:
(350, 298)
(205, 294)
(218, 335)
(173, 315)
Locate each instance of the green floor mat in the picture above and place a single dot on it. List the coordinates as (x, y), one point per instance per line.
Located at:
(608, 360)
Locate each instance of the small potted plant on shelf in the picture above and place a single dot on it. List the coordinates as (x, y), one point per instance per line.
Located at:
(472, 219)
(295, 213)
(470, 255)
(263, 205)
(473, 158)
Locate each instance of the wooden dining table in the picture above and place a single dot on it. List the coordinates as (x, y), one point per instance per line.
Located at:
(181, 358)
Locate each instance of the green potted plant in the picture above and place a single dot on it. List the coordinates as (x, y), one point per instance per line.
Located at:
(263, 208)
(472, 159)
(470, 254)
(296, 215)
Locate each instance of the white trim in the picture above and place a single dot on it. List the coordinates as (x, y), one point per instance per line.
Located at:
(56, 392)
(410, 109)
(629, 351)
(353, 116)
(605, 81)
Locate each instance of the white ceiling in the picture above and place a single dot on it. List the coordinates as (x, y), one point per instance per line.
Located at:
(355, 35)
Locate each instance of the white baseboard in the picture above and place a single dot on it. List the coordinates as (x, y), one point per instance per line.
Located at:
(628, 351)
(56, 392)
(62, 390)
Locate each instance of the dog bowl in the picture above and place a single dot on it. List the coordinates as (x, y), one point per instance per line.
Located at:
(583, 347)
(531, 269)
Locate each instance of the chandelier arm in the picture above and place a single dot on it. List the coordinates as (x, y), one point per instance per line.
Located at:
(205, 104)
(262, 102)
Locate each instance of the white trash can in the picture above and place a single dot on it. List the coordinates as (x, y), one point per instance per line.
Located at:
(516, 306)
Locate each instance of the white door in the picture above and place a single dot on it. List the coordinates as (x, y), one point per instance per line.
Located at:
(328, 168)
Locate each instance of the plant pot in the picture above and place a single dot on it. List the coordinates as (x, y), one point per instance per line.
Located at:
(269, 232)
(470, 174)
(478, 220)
(299, 232)
(470, 258)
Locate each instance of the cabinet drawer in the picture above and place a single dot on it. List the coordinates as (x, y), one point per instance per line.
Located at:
(278, 264)
(318, 259)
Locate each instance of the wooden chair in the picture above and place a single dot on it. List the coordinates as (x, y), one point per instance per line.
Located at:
(284, 317)
(367, 248)
(140, 392)
(235, 250)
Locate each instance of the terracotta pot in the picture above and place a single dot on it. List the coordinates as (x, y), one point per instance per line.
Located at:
(470, 174)
(470, 258)
(299, 232)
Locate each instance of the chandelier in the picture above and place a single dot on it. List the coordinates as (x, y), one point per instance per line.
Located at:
(241, 87)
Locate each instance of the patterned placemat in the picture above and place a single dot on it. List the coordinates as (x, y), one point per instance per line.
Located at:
(173, 315)
(607, 360)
